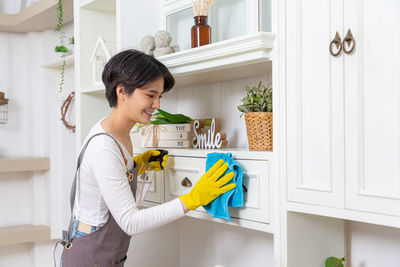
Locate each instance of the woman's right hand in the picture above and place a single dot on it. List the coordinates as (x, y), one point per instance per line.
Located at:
(209, 186)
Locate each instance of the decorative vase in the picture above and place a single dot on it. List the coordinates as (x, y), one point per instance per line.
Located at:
(259, 130)
(201, 31)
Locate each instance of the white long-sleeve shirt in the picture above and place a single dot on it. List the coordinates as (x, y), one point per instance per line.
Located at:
(103, 185)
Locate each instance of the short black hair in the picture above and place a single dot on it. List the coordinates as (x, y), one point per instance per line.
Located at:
(133, 69)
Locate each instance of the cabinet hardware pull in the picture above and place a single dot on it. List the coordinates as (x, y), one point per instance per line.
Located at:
(244, 188)
(349, 39)
(186, 182)
(337, 41)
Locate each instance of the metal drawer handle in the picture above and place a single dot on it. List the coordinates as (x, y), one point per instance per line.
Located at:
(349, 39)
(337, 41)
(186, 182)
(244, 188)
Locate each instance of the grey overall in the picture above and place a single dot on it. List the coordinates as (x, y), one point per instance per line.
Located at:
(106, 247)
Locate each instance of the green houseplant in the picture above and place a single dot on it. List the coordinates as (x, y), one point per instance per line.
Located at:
(257, 107)
(61, 48)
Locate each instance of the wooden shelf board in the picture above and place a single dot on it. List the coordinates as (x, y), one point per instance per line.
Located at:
(232, 59)
(57, 64)
(23, 234)
(24, 164)
(99, 5)
(39, 16)
(94, 91)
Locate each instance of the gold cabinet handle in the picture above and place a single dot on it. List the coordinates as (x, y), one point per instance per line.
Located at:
(186, 182)
(351, 43)
(337, 41)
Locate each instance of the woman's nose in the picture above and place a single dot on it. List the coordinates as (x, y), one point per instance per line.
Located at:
(156, 103)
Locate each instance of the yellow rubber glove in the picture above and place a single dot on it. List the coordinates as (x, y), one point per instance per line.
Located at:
(209, 186)
(143, 163)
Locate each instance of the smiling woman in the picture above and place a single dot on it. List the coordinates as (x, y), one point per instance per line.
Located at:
(105, 215)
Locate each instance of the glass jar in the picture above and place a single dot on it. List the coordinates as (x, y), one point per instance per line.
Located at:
(201, 31)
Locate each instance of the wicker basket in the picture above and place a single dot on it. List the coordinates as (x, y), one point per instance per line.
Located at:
(259, 130)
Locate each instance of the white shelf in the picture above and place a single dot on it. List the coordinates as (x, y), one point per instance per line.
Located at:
(232, 59)
(237, 153)
(57, 64)
(23, 234)
(39, 16)
(24, 164)
(264, 227)
(94, 90)
(99, 5)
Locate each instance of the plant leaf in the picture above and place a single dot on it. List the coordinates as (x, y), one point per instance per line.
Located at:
(333, 262)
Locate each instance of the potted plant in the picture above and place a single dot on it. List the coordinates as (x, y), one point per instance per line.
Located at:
(62, 49)
(257, 107)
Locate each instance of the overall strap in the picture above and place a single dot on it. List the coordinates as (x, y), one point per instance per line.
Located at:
(66, 235)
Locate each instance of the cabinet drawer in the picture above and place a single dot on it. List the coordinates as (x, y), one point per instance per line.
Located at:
(179, 169)
(256, 199)
(156, 190)
(255, 179)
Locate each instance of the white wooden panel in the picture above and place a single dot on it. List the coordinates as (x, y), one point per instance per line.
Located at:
(92, 25)
(312, 239)
(219, 100)
(373, 107)
(314, 104)
(156, 190)
(257, 198)
(94, 107)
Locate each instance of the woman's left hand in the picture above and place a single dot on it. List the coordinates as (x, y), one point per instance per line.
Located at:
(143, 162)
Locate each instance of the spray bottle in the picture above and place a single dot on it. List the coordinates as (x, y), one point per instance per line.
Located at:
(147, 177)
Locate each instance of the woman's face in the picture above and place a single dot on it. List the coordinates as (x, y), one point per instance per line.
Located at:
(140, 105)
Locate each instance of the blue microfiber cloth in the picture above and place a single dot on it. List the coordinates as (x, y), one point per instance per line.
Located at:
(218, 208)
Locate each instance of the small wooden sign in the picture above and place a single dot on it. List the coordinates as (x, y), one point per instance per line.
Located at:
(208, 136)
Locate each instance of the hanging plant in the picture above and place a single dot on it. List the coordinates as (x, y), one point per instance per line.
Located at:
(61, 47)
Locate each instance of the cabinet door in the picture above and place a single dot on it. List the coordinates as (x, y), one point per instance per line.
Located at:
(372, 111)
(314, 106)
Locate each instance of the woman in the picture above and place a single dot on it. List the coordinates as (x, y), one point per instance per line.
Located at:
(105, 215)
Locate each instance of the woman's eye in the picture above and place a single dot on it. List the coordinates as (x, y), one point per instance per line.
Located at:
(150, 96)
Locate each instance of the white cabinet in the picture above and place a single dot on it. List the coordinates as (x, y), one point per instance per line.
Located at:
(182, 173)
(372, 101)
(342, 111)
(315, 124)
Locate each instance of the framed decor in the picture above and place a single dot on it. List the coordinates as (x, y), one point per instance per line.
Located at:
(102, 52)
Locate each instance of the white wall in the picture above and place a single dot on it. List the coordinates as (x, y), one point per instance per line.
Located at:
(33, 129)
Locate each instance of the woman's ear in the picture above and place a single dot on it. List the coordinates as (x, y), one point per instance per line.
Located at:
(120, 91)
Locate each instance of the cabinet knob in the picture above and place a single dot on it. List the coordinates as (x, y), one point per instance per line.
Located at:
(244, 188)
(186, 182)
(337, 41)
(351, 43)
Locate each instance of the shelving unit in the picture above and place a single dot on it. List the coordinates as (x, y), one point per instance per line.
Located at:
(39, 16)
(237, 58)
(23, 234)
(228, 63)
(18, 234)
(24, 164)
